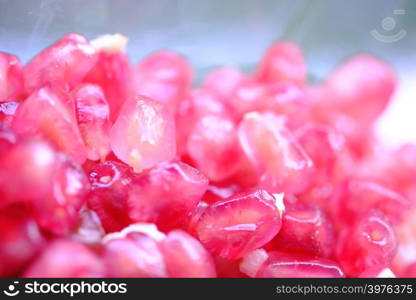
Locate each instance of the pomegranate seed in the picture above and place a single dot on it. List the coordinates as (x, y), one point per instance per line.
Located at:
(369, 243)
(240, 224)
(144, 134)
(47, 114)
(20, 240)
(283, 61)
(249, 96)
(186, 257)
(305, 229)
(88, 228)
(280, 264)
(11, 76)
(217, 193)
(227, 268)
(281, 163)
(223, 81)
(213, 146)
(64, 64)
(66, 259)
(112, 71)
(93, 120)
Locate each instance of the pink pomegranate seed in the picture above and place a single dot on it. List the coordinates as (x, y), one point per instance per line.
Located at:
(132, 253)
(354, 197)
(249, 96)
(223, 81)
(144, 134)
(7, 111)
(362, 87)
(112, 71)
(93, 120)
(110, 185)
(240, 224)
(283, 61)
(186, 257)
(369, 243)
(216, 193)
(11, 76)
(64, 64)
(213, 146)
(281, 163)
(190, 222)
(166, 194)
(280, 265)
(307, 230)
(66, 259)
(20, 240)
(164, 76)
(47, 114)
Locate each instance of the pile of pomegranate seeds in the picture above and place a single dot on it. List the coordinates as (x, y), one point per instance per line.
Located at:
(113, 170)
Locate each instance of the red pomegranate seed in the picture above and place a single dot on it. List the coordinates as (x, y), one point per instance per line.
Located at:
(213, 146)
(283, 61)
(112, 71)
(280, 265)
(134, 253)
(249, 96)
(307, 230)
(369, 243)
(164, 76)
(228, 268)
(20, 240)
(186, 257)
(47, 114)
(64, 64)
(282, 165)
(143, 134)
(223, 81)
(93, 120)
(66, 259)
(240, 224)
(11, 76)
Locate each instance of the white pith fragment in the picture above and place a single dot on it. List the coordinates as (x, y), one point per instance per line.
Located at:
(110, 43)
(386, 273)
(279, 202)
(145, 228)
(252, 261)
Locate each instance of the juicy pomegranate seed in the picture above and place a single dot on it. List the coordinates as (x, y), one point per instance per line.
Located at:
(369, 243)
(283, 61)
(144, 134)
(64, 64)
(48, 115)
(20, 240)
(93, 120)
(280, 264)
(249, 96)
(66, 259)
(213, 146)
(223, 81)
(11, 76)
(164, 76)
(281, 163)
(305, 229)
(186, 257)
(240, 224)
(112, 71)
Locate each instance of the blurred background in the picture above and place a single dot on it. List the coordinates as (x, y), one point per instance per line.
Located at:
(236, 32)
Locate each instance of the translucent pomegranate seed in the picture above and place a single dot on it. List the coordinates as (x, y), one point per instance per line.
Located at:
(361, 87)
(186, 257)
(240, 224)
(249, 96)
(48, 114)
(93, 120)
(87, 229)
(64, 64)
(223, 81)
(228, 268)
(283, 61)
(67, 259)
(354, 197)
(305, 229)
(213, 146)
(281, 163)
(190, 223)
(7, 111)
(216, 193)
(110, 184)
(11, 74)
(144, 134)
(280, 264)
(166, 194)
(369, 243)
(112, 71)
(20, 240)
(253, 261)
(164, 76)
(133, 254)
